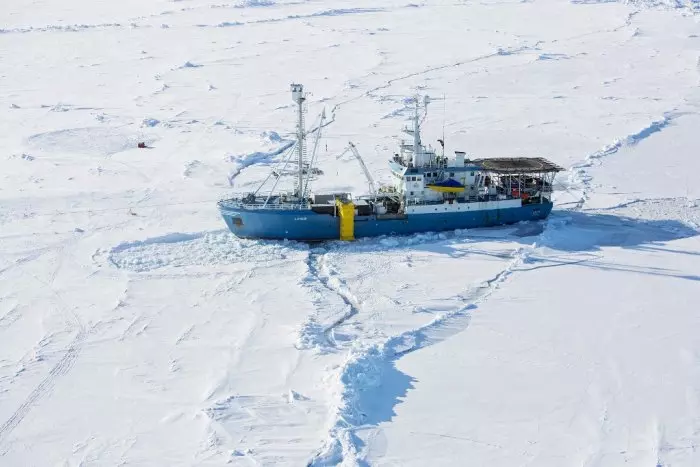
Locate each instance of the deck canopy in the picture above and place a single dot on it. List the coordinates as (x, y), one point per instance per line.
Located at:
(517, 165)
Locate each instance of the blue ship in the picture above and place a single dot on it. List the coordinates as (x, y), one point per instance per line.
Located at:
(430, 193)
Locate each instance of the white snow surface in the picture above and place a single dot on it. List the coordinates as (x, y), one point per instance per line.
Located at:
(136, 330)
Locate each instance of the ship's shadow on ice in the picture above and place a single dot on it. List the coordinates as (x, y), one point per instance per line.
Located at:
(591, 231)
(575, 239)
(565, 231)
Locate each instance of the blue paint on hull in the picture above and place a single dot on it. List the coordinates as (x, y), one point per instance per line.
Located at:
(306, 225)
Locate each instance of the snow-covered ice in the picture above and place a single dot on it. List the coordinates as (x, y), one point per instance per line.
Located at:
(136, 330)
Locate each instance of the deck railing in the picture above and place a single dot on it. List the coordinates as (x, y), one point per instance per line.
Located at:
(470, 199)
(242, 204)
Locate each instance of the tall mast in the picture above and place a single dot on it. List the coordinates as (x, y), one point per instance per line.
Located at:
(416, 137)
(299, 98)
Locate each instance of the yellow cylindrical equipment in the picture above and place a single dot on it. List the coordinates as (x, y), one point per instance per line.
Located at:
(346, 212)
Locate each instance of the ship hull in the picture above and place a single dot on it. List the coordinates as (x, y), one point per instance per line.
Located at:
(306, 225)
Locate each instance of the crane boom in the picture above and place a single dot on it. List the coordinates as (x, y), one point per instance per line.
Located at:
(370, 182)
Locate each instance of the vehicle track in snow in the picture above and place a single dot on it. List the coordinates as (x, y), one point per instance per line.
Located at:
(501, 51)
(321, 276)
(368, 363)
(578, 174)
(390, 82)
(61, 368)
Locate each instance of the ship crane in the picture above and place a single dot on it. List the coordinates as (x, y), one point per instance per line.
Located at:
(370, 181)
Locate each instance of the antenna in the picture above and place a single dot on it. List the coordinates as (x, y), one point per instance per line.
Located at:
(299, 97)
(444, 109)
(426, 101)
(416, 134)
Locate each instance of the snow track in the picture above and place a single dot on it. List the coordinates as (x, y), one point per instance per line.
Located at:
(61, 368)
(64, 364)
(327, 320)
(578, 176)
(361, 400)
(390, 82)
